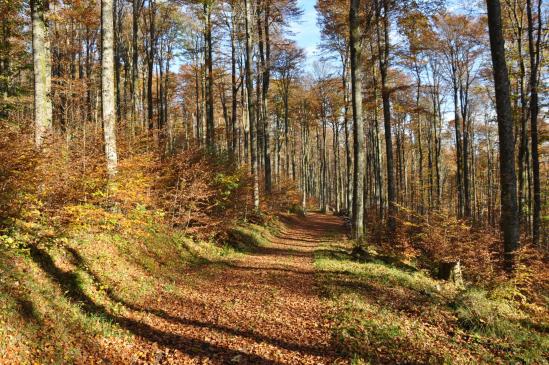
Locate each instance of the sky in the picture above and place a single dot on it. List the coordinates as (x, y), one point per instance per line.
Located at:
(307, 32)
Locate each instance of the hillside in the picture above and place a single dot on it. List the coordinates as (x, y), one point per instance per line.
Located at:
(290, 294)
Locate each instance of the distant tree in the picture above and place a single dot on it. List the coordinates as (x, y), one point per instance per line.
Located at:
(136, 11)
(150, 58)
(286, 64)
(335, 38)
(459, 39)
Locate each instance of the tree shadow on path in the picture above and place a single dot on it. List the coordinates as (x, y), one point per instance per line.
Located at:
(68, 282)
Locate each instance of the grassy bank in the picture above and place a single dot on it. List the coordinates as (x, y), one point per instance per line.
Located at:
(393, 313)
(66, 295)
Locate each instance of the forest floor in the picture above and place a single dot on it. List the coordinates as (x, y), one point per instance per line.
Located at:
(128, 292)
(262, 308)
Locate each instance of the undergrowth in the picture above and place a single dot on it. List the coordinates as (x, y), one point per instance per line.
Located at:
(79, 258)
(67, 298)
(391, 312)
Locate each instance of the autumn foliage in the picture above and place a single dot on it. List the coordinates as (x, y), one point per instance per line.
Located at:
(430, 239)
(199, 193)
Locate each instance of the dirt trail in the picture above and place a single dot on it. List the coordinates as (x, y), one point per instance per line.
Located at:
(264, 308)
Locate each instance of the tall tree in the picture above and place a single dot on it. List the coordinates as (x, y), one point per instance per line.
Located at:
(534, 53)
(43, 109)
(208, 53)
(137, 5)
(151, 55)
(232, 24)
(509, 211)
(383, 30)
(264, 40)
(108, 112)
(248, 9)
(358, 123)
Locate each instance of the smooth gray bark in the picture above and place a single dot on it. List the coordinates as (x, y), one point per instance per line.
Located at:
(358, 123)
(251, 104)
(41, 52)
(108, 109)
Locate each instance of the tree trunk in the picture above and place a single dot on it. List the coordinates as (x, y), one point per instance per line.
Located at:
(384, 66)
(348, 158)
(210, 125)
(107, 86)
(265, 59)
(465, 127)
(150, 66)
(5, 71)
(358, 123)
(251, 103)
(509, 213)
(42, 70)
(534, 110)
(117, 31)
(336, 180)
(135, 58)
(234, 89)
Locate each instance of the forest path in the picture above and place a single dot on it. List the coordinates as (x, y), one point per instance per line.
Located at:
(263, 308)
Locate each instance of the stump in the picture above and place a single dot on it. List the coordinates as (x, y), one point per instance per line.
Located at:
(451, 271)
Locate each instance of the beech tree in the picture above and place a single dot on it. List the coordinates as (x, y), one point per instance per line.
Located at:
(509, 211)
(248, 9)
(389, 131)
(108, 110)
(358, 127)
(208, 57)
(42, 70)
(534, 45)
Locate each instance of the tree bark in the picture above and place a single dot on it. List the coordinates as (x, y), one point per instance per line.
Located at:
(265, 58)
(210, 124)
(358, 123)
(42, 70)
(150, 66)
(534, 110)
(135, 58)
(107, 86)
(509, 212)
(251, 104)
(234, 88)
(384, 66)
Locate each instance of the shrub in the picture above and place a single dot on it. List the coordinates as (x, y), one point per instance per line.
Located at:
(200, 194)
(297, 209)
(440, 237)
(18, 177)
(283, 197)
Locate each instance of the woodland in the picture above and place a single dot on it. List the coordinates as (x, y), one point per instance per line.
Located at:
(186, 182)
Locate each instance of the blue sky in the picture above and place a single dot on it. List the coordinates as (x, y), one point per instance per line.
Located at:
(307, 33)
